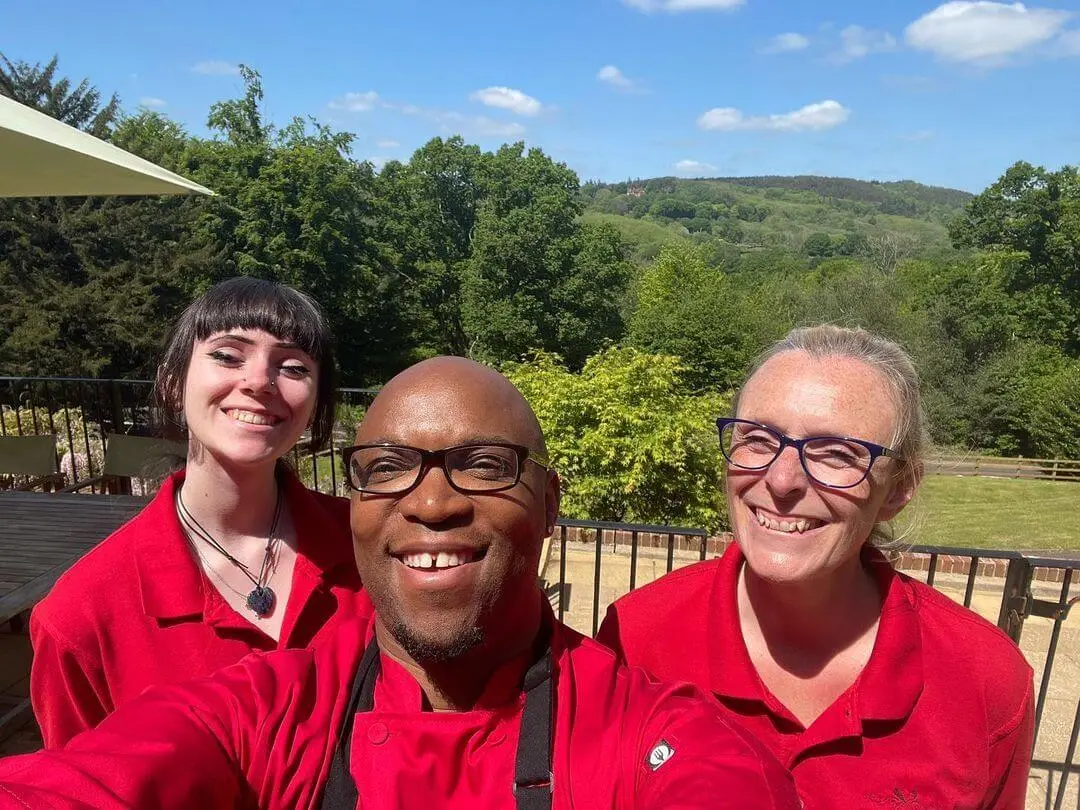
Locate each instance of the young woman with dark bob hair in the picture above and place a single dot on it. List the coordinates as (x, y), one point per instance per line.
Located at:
(874, 689)
(234, 554)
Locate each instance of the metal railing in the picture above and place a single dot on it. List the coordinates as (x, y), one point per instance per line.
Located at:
(664, 537)
(81, 411)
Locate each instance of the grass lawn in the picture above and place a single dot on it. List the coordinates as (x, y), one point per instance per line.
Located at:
(998, 513)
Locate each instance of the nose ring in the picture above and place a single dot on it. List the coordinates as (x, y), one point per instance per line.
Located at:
(273, 383)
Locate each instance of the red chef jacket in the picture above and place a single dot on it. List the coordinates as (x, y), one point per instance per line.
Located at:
(138, 611)
(941, 716)
(262, 733)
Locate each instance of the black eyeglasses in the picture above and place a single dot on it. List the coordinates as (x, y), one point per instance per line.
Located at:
(390, 469)
(839, 462)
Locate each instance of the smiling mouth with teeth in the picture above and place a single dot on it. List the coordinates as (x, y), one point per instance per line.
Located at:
(443, 559)
(799, 525)
(252, 418)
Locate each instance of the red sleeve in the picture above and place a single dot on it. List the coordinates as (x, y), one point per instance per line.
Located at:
(67, 689)
(16, 797)
(688, 757)
(1010, 756)
(172, 748)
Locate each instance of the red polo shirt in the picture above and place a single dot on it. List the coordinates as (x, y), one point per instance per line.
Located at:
(261, 734)
(941, 716)
(137, 611)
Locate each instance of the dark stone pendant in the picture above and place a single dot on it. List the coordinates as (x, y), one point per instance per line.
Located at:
(261, 600)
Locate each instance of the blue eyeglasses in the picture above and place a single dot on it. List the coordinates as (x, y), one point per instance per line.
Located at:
(838, 462)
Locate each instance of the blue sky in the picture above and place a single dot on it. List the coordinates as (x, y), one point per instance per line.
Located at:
(945, 93)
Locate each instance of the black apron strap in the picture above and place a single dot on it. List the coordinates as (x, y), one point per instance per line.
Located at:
(533, 780)
(341, 792)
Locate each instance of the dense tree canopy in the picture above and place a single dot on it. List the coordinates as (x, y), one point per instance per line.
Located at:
(456, 251)
(1034, 214)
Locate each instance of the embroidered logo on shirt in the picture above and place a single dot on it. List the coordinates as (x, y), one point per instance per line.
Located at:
(660, 754)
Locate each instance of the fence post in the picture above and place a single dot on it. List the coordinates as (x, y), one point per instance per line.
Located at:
(1016, 598)
(117, 407)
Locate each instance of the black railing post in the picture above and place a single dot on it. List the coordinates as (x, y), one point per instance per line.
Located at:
(562, 572)
(1051, 650)
(973, 571)
(1067, 765)
(596, 580)
(931, 570)
(1016, 598)
(117, 407)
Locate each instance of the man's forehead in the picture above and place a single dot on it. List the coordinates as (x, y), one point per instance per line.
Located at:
(440, 415)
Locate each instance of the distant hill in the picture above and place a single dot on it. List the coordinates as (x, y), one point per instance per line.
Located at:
(891, 194)
(814, 217)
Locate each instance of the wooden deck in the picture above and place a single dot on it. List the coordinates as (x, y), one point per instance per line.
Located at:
(42, 535)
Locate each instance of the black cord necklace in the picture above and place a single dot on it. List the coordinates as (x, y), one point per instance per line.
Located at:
(262, 597)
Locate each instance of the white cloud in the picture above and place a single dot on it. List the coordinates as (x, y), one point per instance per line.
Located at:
(786, 43)
(822, 115)
(611, 75)
(507, 98)
(216, 68)
(694, 167)
(449, 121)
(921, 135)
(479, 125)
(151, 102)
(857, 42)
(355, 102)
(982, 31)
(675, 6)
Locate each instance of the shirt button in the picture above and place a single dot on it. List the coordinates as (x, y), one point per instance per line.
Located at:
(377, 733)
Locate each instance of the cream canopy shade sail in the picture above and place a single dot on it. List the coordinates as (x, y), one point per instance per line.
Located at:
(41, 157)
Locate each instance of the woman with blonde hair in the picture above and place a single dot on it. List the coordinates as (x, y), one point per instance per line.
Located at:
(873, 689)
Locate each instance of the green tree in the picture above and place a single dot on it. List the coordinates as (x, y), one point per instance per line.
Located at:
(294, 207)
(692, 311)
(673, 208)
(1027, 403)
(39, 87)
(89, 283)
(428, 217)
(819, 245)
(538, 279)
(1036, 213)
(629, 440)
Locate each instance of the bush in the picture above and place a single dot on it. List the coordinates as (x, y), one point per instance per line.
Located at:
(630, 441)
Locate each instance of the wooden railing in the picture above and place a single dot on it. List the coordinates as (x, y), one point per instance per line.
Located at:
(1058, 469)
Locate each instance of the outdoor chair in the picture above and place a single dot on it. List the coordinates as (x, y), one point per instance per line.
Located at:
(134, 458)
(29, 462)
